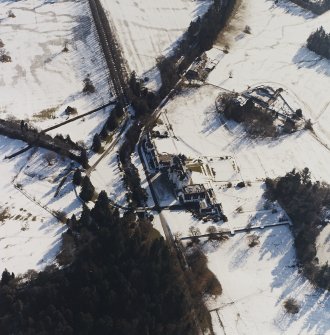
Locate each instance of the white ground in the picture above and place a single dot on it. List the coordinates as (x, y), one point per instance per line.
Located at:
(243, 207)
(150, 28)
(259, 280)
(30, 236)
(323, 245)
(199, 132)
(109, 178)
(275, 52)
(256, 282)
(40, 75)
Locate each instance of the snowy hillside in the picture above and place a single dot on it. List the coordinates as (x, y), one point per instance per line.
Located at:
(150, 28)
(42, 79)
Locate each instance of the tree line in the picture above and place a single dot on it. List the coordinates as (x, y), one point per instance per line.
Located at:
(319, 42)
(198, 38)
(305, 202)
(110, 125)
(318, 7)
(120, 279)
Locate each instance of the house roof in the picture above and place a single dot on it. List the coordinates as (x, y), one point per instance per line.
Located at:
(194, 189)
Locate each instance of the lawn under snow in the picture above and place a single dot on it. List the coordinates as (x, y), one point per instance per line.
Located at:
(150, 28)
(41, 76)
(264, 276)
(30, 236)
(256, 282)
(275, 53)
(198, 132)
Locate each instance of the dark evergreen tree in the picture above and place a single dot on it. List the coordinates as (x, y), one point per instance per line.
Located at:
(112, 122)
(118, 110)
(87, 189)
(101, 212)
(5, 278)
(319, 42)
(104, 133)
(74, 224)
(85, 218)
(96, 146)
(84, 158)
(77, 178)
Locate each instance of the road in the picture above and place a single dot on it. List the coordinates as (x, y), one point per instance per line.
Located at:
(78, 117)
(111, 50)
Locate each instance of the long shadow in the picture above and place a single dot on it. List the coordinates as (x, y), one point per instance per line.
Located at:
(50, 255)
(294, 10)
(314, 303)
(304, 58)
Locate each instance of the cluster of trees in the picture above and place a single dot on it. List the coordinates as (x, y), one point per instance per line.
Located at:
(318, 7)
(143, 101)
(87, 189)
(113, 55)
(137, 195)
(257, 121)
(88, 86)
(63, 146)
(110, 125)
(122, 280)
(199, 37)
(319, 42)
(304, 201)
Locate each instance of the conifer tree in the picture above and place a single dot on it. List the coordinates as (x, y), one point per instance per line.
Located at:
(77, 177)
(96, 146)
(87, 189)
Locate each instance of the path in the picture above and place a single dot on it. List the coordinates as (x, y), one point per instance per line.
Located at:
(238, 230)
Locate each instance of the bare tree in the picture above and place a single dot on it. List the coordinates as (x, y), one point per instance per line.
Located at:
(291, 306)
(4, 57)
(50, 158)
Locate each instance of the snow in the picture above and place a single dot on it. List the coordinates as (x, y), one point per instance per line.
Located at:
(275, 53)
(199, 132)
(151, 28)
(85, 128)
(109, 178)
(256, 282)
(323, 245)
(30, 236)
(41, 75)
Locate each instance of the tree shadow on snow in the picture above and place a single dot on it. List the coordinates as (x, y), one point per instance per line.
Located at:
(293, 9)
(51, 254)
(314, 303)
(304, 58)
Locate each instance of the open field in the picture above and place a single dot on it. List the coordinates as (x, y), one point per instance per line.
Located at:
(42, 80)
(30, 236)
(199, 131)
(256, 282)
(275, 52)
(148, 29)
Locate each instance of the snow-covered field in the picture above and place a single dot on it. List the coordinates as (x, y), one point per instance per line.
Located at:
(256, 282)
(109, 178)
(41, 76)
(30, 236)
(275, 52)
(150, 28)
(323, 245)
(199, 132)
(244, 208)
